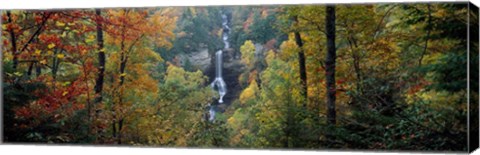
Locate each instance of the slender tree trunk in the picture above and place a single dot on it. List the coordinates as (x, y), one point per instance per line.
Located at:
(123, 65)
(356, 65)
(120, 126)
(429, 28)
(55, 64)
(330, 65)
(32, 64)
(13, 41)
(30, 69)
(301, 62)
(38, 69)
(98, 88)
(117, 133)
(114, 130)
(101, 59)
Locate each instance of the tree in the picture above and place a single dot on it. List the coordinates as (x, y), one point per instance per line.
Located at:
(330, 64)
(133, 32)
(101, 57)
(301, 63)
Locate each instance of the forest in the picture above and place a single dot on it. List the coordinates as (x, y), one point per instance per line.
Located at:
(387, 76)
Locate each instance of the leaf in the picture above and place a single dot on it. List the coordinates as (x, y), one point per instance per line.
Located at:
(4, 27)
(123, 74)
(38, 52)
(51, 45)
(49, 52)
(64, 93)
(43, 62)
(17, 74)
(60, 56)
(64, 34)
(60, 24)
(66, 83)
(88, 40)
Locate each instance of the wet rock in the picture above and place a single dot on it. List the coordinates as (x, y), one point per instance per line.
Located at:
(199, 60)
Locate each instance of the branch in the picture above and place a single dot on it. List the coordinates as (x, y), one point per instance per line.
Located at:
(381, 21)
(37, 32)
(319, 28)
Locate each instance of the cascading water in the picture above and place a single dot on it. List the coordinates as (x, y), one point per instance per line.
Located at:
(219, 84)
(226, 31)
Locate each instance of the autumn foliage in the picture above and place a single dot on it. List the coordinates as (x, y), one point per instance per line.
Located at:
(366, 76)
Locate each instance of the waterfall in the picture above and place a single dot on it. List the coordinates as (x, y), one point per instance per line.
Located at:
(219, 84)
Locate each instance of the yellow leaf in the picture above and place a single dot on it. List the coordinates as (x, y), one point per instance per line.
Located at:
(38, 52)
(4, 27)
(66, 83)
(17, 74)
(43, 62)
(64, 93)
(64, 34)
(123, 74)
(60, 24)
(51, 45)
(60, 56)
(49, 52)
(89, 40)
(102, 50)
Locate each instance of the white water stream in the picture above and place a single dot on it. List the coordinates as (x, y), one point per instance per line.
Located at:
(219, 84)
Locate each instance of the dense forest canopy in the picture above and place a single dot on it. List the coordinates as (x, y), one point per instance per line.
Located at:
(360, 76)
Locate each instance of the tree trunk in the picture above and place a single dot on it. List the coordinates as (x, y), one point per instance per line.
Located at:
(30, 69)
(101, 59)
(352, 42)
(330, 65)
(98, 88)
(55, 64)
(38, 69)
(301, 64)
(120, 126)
(123, 63)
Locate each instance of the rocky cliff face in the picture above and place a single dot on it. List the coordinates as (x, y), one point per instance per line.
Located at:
(198, 60)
